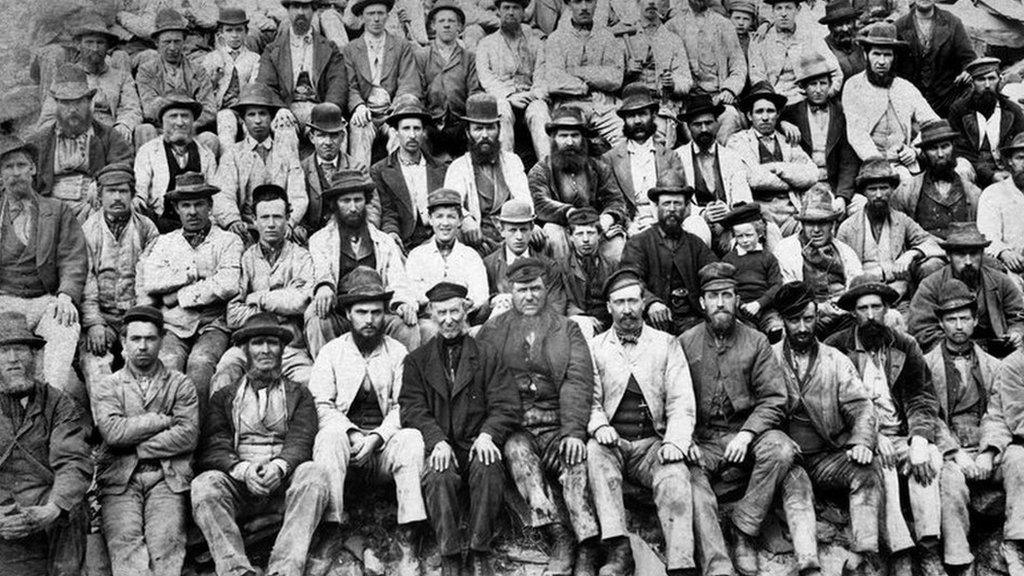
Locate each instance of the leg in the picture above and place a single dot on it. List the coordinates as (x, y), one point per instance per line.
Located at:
(94, 368)
(673, 497)
(227, 128)
(772, 453)
(296, 364)
(604, 464)
(798, 503)
(897, 533)
(402, 458)
(586, 324)
(61, 340)
(956, 518)
(524, 466)
(122, 517)
(230, 368)
(166, 513)
(611, 248)
(441, 493)
(144, 133)
(837, 471)
(320, 331)
(485, 502)
(1013, 482)
(202, 362)
(730, 122)
(506, 122)
(66, 541)
(666, 130)
(305, 500)
(360, 142)
(925, 501)
(215, 501)
(537, 115)
(332, 451)
(399, 330)
(609, 125)
(210, 141)
(707, 532)
(576, 492)
(174, 351)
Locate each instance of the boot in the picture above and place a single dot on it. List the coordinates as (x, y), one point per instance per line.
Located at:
(865, 564)
(620, 559)
(408, 560)
(1014, 556)
(481, 564)
(451, 565)
(586, 558)
(745, 555)
(560, 559)
(931, 562)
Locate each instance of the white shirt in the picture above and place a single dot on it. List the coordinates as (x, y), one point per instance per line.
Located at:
(415, 176)
(375, 54)
(302, 55)
(877, 383)
(642, 167)
(510, 257)
(426, 266)
(990, 127)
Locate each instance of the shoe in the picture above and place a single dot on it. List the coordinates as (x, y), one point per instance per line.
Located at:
(586, 558)
(560, 559)
(408, 560)
(620, 559)
(744, 554)
(451, 566)
(1014, 556)
(931, 563)
(481, 564)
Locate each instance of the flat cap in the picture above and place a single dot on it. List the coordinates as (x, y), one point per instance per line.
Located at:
(444, 197)
(622, 278)
(792, 298)
(443, 291)
(144, 314)
(526, 270)
(717, 276)
(982, 66)
(585, 216)
(116, 173)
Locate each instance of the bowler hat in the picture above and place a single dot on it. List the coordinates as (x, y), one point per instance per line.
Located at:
(955, 295)
(262, 324)
(526, 270)
(481, 108)
(864, 285)
(622, 278)
(635, 97)
(585, 216)
(876, 170)
(361, 5)
(168, 20)
(144, 314)
(762, 90)
(701, 104)
(92, 24)
(935, 132)
(812, 65)
(411, 109)
(517, 212)
(440, 5)
(1016, 144)
(327, 117)
(257, 94)
(179, 101)
(348, 181)
(839, 11)
(982, 66)
(444, 291)
(363, 284)
(444, 197)
(742, 213)
(568, 118)
(116, 173)
(70, 83)
(228, 16)
(964, 236)
(817, 206)
(717, 276)
(14, 330)
(191, 186)
(791, 298)
(671, 182)
(881, 34)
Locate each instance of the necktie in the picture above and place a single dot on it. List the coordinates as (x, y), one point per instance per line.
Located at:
(328, 170)
(234, 87)
(263, 152)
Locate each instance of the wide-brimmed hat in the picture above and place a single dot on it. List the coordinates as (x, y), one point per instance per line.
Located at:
(955, 295)
(517, 212)
(440, 5)
(92, 24)
(876, 170)
(257, 94)
(982, 66)
(327, 117)
(964, 236)
(70, 83)
(812, 65)
(349, 181)
(762, 90)
(880, 34)
(177, 100)
(935, 132)
(361, 5)
(14, 330)
(1016, 144)
(262, 324)
(481, 108)
(671, 182)
(864, 285)
(168, 20)
(839, 11)
(568, 118)
(701, 104)
(817, 206)
(635, 97)
(742, 213)
(228, 16)
(10, 143)
(191, 186)
(792, 298)
(410, 109)
(287, 3)
(363, 284)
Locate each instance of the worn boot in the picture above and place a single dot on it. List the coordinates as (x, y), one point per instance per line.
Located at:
(451, 565)
(560, 559)
(405, 544)
(744, 554)
(1013, 553)
(586, 558)
(931, 562)
(481, 564)
(620, 559)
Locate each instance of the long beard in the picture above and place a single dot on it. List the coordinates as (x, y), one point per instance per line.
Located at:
(639, 133)
(984, 102)
(367, 344)
(351, 221)
(484, 151)
(968, 275)
(944, 169)
(722, 322)
(263, 378)
(672, 226)
(877, 210)
(802, 341)
(568, 160)
(91, 60)
(882, 80)
(873, 335)
(704, 140)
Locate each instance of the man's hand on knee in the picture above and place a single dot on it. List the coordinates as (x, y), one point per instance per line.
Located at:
(65, 311)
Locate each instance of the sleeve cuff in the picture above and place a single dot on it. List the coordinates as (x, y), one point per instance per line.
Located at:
(238, 471)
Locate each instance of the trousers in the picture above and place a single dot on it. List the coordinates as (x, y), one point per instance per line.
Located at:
(925, 501)
(834, 470)
(60, 551)
(59, 350)
(145, 527)
(447, 509)
(197, 357)
(1013, 480)
(535, 116)
(362, 139)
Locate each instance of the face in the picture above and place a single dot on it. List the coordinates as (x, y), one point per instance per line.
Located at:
(626, 306)
(92, 50)
(880, 59)
(1016, 161)
(177, 125)
(563, 139)
(327, 144)
(745, 235)
(264, 353)
(450, 317)
(272, 220)
(351, 208)
(17, 171)
(649, 9)
(447, 26)
(375, 17)
(743, 22)
(959, 325)
(528, 298)
(367, 318)
(672, 209)
(969, 261)
(638, 125)
(585, 239)
(989, 82)
(582, 11)
(878, 192)
(817, 90)
(517, 236)
(480, 133)
(843, 31)
(939, 154)
(234, 35)
(171, 46)
(17, 368)
(818, 233)
(74, 115)
(763, 116)
(301, 16)
(410, 134)
(869, 307)
(194, 214)
(785, 16)
(720, 307)
(445, 221)
(511, 15)
(800, 328)
(141, 343)
(116, 199)
(257, 122)
(704, 130)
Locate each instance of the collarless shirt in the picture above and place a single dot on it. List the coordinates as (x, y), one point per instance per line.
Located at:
(302, 55)
(641, 166)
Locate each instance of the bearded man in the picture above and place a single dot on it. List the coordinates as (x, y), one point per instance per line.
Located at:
(841, 19)
(999, 212)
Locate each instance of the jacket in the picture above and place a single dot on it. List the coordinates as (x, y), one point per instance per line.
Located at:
(61, 255)
(710, 29)
(460, 176)
(425, 267)
(110, 281)
(241, 170)
(734, 173)
(285, 287)
(152, 82)
(798, 170)
(158, 423)
(577, 285)
(496, 264)
(964, 120)
(999, 210)
(497, 66)
(447, 83)
(934, 71)
(865, 104)
(398, 211)
(841, 162)
(905, 198)
(775, 59)
(116, 88)
(668, 53)
(604, 193)
(789, 253)
(317, 214)
(399, 75)
(1003, 422)
(105, 147)
(153, 176)
(328, 74)
(325, 248)
(987, 368)
(617, 159)
(220, 65)
(596, 58)
(904, 235)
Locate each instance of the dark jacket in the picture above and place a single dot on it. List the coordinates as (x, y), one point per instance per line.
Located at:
(105, 147)
(447, 83)
(618, 160)
(933, 72)
(578, 287)
(604, 194)
(850, 62)
(841, 161)
(398, 212)
(61, 254)
(317, 215)
(399, 75)
(964, 120)
(497, 278)
(483, 399)
(328, 74)
(910, 383)
(217, 443)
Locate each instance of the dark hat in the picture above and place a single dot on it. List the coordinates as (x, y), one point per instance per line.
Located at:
(955, 295)
(717, 276)
(742, 213)
(964, 236)
(812, 65)
(92, 24)
(361, 5)
(327, 117)
(481, 108)
(363, 284)
(774, 2)
(116, 173)
(526, 270)
(70, 83)
(636, 96)
(699, 105)
(566, 117)
(191, 186)
(839, 11)
(287, 3)
(791, 298)
(10, 143)
(179, 101)
(982, 66)
(444, 197)
(517, 212)
(14, 330)
(523, 3)
(864, 285)
(622, 278)
(880, 34)
(262, 324)
(876, 170)
(144, 314)
(257, 94)
(935, 132)
(671, 182)
(168, 20)
(444, 291)
(411, 109)
(742, 6)
(762, 90)
(1016, 144)
(232, 16)
(585, 216)
(440, 5)
(348, 181)
(816, 206)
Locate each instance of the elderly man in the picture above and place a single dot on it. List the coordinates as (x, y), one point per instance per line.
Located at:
(895, 376)
(987, 120)
(231, 66)
(256, 456)
(641, 426)
(841, 19)
(327, 134)
(1000, 308)
(148, 418)
(43, 260)
(548, 359)
(739, 415)
(303, 66)
(456, 395)
(160, 161)
(267, 155)
(355, 383)
(190, 274)
(892, 247)
(116, 237)
(938, 50)
(999, 210)
(585, 274)
(487, 176)
(46, 466)
(76, 146)
(570, 179)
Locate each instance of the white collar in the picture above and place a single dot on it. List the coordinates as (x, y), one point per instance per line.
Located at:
(298, 41)
(646, 146)
(510, 257)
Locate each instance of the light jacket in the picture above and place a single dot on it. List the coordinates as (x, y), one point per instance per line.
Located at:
(460, 177)
(153, 176)
(596, 57)
(865, 104)
(734, 172)
(110, 283)
(789, 253)
(999, 217)
(399, 75)
(151, 80)
(285, 287)
(770, 53)
(798, 170)
(117, 87)
(987, 367)
(904, 234)
(325, 248)
(425, 267)
(219, 66)
(241, 170)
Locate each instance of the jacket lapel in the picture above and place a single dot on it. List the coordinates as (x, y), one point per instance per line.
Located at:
(970, 123)
(393, 177)
(835, 128)
(620, 163)
(435, 370)
(897, 358)
(467, 367)
(321, 54)
(390, 57)
(1007, 122)
(44, 231)
(284, 63)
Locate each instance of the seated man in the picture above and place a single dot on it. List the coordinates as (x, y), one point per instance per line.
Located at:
(999, 211)
(892, 247)
(778, 172)
(743, 15)
(328, 136)
(1000, 308)
(464, 430)
(43, 261)
(231, 66)
(190, 274)
(841, 18)
(641, 425)
(549, 361)
(585, 274)
(569, 178)
(148, 418)
(116, 238)
(256, 457)
(355, 383)
(47, 465)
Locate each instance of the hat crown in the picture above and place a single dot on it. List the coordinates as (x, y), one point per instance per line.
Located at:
(189, 180)
(716, 271)
(169, 19)
(813, 64)
(875, 169)
(568, 115)
(116, 173)
(69, 74)
(327, 117)
(362, 281)
(231, 15)
(175, 100)
(481, 106)
(14, 326)
(258, 94)
(636, 93)
(742, 6)
(964, 234)
(840, 9)
(817, 203)
(955, 292)
(671, 179)
(349, 180)
(444, 197)
(517, 211)
(879, 31)
(261, 320)
(936, 131)
(585, 216)
(90, 22)
(792, 297)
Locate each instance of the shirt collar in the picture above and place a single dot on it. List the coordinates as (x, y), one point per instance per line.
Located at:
(510, 257)
(635, 148)
(758, 248)
(252, 144)
(298, 41)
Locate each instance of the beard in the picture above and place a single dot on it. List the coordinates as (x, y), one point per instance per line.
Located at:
(1018, 180)
(91, 60)
(483, 152)
(569, 160)
(510, 26)
(877, 210)
(984, 102)
(968, 275)
(671, 225)
(704, 140)
(873, 335)
(944, 169)
(801, 341)
(842, 38)
(367, 343)
(639, 132)
(17, 385)
(880, 79)
(351, 221)
(722, 321)
(263, 378)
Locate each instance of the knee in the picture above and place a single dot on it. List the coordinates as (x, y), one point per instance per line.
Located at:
(446, 480)
(310, 475)
(929, 265)
(518, 447)
(866, 476)
(673, 481)
(952, 480)
(332, 440)
(776, 448)
(209, 487)
(410, 448)
(537, 110)
(491, 476)
(597, 452)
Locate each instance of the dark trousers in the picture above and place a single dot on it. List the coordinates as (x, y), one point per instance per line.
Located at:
(446, 508)
(60, 551)
(835, 471)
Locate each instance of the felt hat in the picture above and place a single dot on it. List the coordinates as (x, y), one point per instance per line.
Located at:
(10, 143)
(327, 117)
(585, 216)
(566, 117)
(864, 285)
(982, 66)
(257, 94)
(622, 278)
(817, 206)
(287, 3)
(116, 173)
(742, 6)
(92, 24)
(363, 284)
(262, 324)
(481, 108)
(228, 16)
(876, 170)
(839, 11)
(412, 109)
(444, 291)
(144, 314)
(526, 270)
(191, 186)
(440, 5)
(955, 295)
(812, 65)
(792, 298)
(179, 101)
(168, 20)
(935, 132)
(1016, 144)
(742, 213)
(717, 276)
(348, 181)
(70, 83)
(635, 97)
(671, 182)
(517, 212)
(762, 90)
(881, 34)
(443, 197)
(361, 5)
(699, 105)
(523, 3)
(964, 236)
(14, 330)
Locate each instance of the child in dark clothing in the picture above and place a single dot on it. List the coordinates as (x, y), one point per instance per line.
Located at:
(757, 271)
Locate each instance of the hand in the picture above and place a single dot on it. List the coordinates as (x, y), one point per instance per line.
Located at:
(96, 340)
(139, 205)
(614, 230)
(963, 78)
(983, 465)
(791, 132)
(694, 456)
(859, 454)
(300, 235)
(907, 156)
(715, 211)
(1000, 175)
(471, 233)
(966, 464)
(371, 443)
(253, 481)
(669, 453)
(65, 311)
(39, 518)
(919, 461)
(269, 475)
(886, 451)
(572, 450)
(1012, 259)
(441, 457)
(1016, 339)
(124, 132)
(839, 204)
(361, 116)
(14, 525)
(724, 97)
(538, 239)
(752, 308)
(667, 82)
(323, 301)
(901, 266)
(255, 299)
(239, 228)
(485, 450)
(403, 16)
(520, 99)
(408, 313)
(660, 316)
(501, 302)
(607, 224)
(736, 451)
(606, 435)
(636, 66)
(170, 300)
(398, 240)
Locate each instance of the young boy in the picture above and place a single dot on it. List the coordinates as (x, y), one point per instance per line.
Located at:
(230, 66)
(757, 271)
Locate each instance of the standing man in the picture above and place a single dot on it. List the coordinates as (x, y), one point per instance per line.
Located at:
(148, 417)
(841, 19)
(327, 133)
(231, 66)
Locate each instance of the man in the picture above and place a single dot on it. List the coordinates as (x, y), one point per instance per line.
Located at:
(43, 260)
(456, 395)
(406, 177)
(638, 162)
(582, 67)
(938, 50)
(743, 15)
(548, 359)
(487, 175)
(892, 247)
(347, 242)
(668, 258)
(641, 426)
(264, 156)
(506, 63)
(569, 179)
(895, 376)
(987, 120)
(741, 405)
(999, 210)
(148, 419)
(191, 274)
(717, 61)
(379, 66)
(841, 19)
(822, 124)
(116, 238)
(303, 66)
(326, 130)
(585, 274)
(46, 466)
(355, 383)
(231, 66)
(778, 172)
(1000, 308)
(255, 456)
(76, 146)
(160, 161)
(775, 54)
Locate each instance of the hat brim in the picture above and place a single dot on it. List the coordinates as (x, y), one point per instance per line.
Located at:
(893, 181)
(194, 107)
(979, 245)
(361, 5)
(94, 32)
(243, 335)
(241, 106)
(551, 127)
(849, 300)
(207, 191)
(779, 100)
(815, 74)
(26, 147)
(346, 300)
(840, 16)
(715, 110)
(650, 105)
(233, 22)
(866, 41)
(718, 284)
(938, 138)
(329, 129)
(332, 193)
(954, 305)
(156, 33)
(394, 119)
(34, 342)
(517, 220)
(657, 192)
(458, 11)
(817, 216)
(481, 120)
(72, 95)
